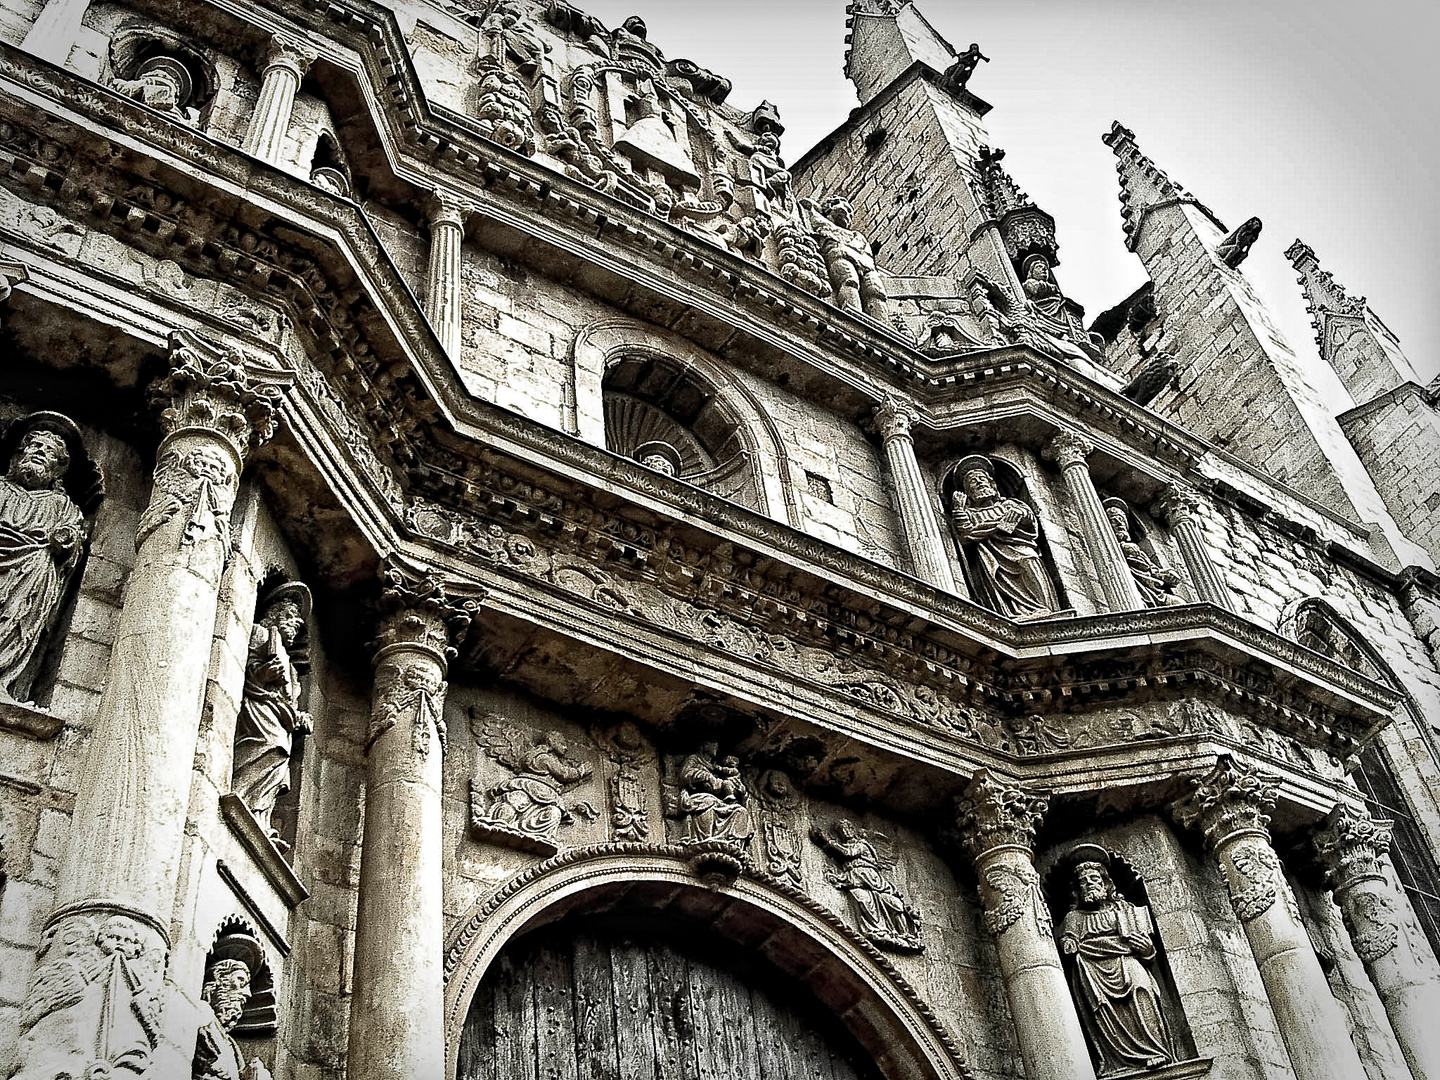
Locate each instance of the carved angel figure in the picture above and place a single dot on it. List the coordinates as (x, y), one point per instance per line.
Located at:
(881, 912)
(42, 533)
(270, 714)
(1112, 941)
(711, 801)
(854, 276)
(528, 809)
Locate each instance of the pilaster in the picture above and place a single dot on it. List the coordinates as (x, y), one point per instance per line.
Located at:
(448, 215)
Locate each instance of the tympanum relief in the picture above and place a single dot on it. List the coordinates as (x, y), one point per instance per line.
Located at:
(270, 714)
(42, 535)
(1002, 536)
(526, 810)
(1109, 945)
(881, 912)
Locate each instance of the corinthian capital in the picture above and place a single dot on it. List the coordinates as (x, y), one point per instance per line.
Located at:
(894, 418)
(1068, 449)
(1179, 504)
(1352, 846)
(208, 389)
(447, 208)
(1228, 801)
(995, 814)
(420, 612)
(294, 56)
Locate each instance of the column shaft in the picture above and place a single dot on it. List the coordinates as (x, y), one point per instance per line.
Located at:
(116, 886)
(1353, 848)
(998, 824)
(1069, 451)
(924, 539)
(442, 298)
(1179, 506)
(397, 1025)
(1231, 807)
(285, 66)
(52, 35)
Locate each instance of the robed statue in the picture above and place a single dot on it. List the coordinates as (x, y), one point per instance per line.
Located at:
(1156, 583)
(881, 912)
(270, 713)
(711, 800)
(1112, 943)
(1004, 537)
(228, 987)
(42, 535)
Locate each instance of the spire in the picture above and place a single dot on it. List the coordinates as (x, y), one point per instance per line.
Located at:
(1144, 186)
(884, 39)
(1026, 229)
(1363, 350)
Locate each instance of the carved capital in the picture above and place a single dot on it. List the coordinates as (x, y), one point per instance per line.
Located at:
(447, 208)
(1352, 846)
(417, 611)
(1068, 450)
(209, 390)
(1229, 801)
(894, 419)
(994, 814)
(12, 273)
(292, 56)
(1179, 504)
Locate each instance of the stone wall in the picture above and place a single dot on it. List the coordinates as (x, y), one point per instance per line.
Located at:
(1398, 438)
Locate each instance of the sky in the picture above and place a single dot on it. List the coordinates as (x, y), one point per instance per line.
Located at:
(1317, 117)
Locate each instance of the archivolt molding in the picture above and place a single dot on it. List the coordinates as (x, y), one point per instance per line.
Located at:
(601, 345)
(919, 1046)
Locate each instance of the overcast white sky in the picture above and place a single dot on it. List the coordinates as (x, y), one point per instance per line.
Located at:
(1318, 117)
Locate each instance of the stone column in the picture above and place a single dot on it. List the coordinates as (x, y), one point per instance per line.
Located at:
(1069, 451)
(285, 65)
(997, 823)
(442, 298)
(1353, 848)
(54, 32)
(1179, 505)
(397, 1015)
(923, 536)
(107, 941)
(1230, 806)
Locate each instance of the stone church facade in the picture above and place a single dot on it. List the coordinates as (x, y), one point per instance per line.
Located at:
(504, 572)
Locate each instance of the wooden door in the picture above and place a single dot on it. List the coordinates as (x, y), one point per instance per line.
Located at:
(592, 1002)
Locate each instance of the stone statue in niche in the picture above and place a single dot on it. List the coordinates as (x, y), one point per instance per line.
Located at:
(1028, 328)
(1156, 583)
(881, 912)
(854, 276)
(527, 810)
(1111, 943)
(1042, 295)
(270, 713)
(163, 83)
(42, 534)
(710, 800)
(1235, 248)
(1004, 538)
(229, 972)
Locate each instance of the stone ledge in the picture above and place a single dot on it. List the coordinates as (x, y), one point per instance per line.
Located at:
(1180, 1070)
(267, 857)
(29, 721)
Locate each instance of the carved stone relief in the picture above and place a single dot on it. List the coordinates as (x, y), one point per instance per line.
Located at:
(630, 754)
(1002, 535)
(231, 974)
(779, 826)
(526, 810)
(709, 800)
(855, 279)
(881, 912)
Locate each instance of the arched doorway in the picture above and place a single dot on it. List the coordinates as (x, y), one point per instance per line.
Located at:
(636, 999)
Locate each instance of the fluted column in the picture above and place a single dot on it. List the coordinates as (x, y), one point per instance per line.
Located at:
(1353, 848)
(1180, 505)
(1070, 452)
(442, 298)
(107, 941)
(285, 65)
(397, 1023)
(918, 521)
(997, 823)
(1230, 806)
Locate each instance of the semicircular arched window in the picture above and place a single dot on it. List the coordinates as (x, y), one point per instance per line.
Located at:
(665, 416)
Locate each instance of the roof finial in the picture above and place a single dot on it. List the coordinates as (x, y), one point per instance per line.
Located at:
(1144, 186)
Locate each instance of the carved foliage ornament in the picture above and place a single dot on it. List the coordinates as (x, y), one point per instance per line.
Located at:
(1227, 800)
(993, 814)
(209, 388)
(1014, 892)
(1352, 847)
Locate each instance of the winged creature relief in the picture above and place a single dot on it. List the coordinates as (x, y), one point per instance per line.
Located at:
(880, 911)
(526, 810)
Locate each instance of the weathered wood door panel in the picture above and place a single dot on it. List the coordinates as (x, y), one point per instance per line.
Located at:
(595, 1003)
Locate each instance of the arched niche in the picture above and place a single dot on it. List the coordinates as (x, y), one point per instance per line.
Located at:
(636, 387)
(811, 946)
(1316, 623)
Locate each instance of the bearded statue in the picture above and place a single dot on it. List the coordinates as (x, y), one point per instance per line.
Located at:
(226, 992)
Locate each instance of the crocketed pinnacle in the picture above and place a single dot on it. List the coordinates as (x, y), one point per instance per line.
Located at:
(998, 189)
(1323, 294)
(1144, 186)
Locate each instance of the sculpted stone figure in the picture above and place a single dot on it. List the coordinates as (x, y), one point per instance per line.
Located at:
(854, 276)
(163, 83)
(223, 998)
(42, 534)
(270, 713)
(711, 801)
(1004, 537)
(881, 912)
(1111, 942)
(1156, 583)
(1235, 248)
(527, 810)
(1042, 295)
